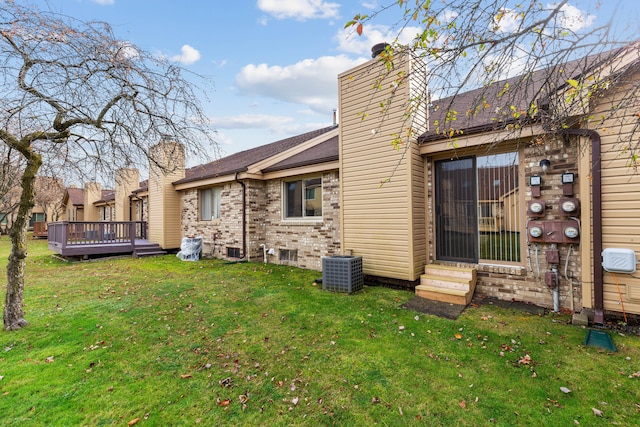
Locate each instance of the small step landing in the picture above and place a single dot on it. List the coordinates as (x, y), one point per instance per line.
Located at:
(447, 283)
(148, 249)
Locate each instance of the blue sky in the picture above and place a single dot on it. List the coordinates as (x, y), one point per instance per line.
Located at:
(273, 63)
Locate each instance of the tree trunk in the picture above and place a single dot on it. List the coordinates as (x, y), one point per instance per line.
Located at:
(13, 315)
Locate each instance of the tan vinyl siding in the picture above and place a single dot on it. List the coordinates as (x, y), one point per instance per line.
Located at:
(164, 201)
(385, 224)
(620, 201)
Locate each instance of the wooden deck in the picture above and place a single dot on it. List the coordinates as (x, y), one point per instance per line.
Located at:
(39, 229)
(100, 238)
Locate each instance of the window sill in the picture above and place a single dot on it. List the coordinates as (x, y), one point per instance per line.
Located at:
(302, 221)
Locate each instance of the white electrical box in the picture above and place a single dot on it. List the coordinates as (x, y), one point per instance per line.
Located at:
(617, 260)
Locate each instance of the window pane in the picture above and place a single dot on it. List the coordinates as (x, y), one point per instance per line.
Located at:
(293, 199)
(216, 202)
(498, 207)
(205, 205)
(313, 197)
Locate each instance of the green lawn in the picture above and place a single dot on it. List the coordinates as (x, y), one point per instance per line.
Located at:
(159, 341)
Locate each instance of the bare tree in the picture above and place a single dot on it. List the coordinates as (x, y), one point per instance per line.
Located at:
(49, 193)
(507, 59)
(10, 172)
(76, 96)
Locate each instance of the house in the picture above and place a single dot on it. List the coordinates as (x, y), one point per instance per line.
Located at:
(561, 197)
(48, 191)
(524, 208)
(278, 202)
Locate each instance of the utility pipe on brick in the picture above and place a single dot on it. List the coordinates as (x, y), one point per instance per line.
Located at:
(244, 217)
(596, 203)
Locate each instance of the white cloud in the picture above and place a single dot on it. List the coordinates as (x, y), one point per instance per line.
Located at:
(311, 82)
(509, 21)
(251, 121)
(104, 2)
(447, 15)
(574, 19)
(349, 41)
(188, 55)
(299, 9)
(127, 50)
(570, 18)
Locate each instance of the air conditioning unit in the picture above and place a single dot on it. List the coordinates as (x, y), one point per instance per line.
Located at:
(342, 273)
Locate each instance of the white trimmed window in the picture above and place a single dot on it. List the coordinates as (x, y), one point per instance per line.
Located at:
(303, 198)
(209, 203)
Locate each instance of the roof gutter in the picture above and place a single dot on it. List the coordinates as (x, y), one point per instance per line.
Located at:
(596, 203)
(244, 215)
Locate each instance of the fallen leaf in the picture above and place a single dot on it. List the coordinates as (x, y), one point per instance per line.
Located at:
(597, 412)
(295, 400)
(225, 402)
(565, 390)
(462, 404)
(49, 359)
(186, 376)
(458, 336)
(133, 421)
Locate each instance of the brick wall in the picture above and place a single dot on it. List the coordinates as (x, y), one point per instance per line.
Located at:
(265, 224)
(312, 240)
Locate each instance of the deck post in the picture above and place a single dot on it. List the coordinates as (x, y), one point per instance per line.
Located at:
(132, 236)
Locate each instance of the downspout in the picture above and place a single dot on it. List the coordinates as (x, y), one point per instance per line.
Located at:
(244, 217)
(596, 203)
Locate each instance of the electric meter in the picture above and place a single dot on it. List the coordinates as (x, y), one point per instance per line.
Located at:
(571, 232)
(567, 178)
(535, 231)
(569, 206)
(536, 207)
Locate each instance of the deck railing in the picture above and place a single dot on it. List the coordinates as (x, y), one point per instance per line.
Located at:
(67, 233)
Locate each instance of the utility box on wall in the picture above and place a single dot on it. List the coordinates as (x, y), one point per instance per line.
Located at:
(342, 274)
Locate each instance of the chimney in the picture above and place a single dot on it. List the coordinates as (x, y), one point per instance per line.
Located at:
(127, 180)
(167, 164)
(92, 193)
(377, 49)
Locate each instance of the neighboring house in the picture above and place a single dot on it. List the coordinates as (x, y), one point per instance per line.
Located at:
(73, 204)
(106, 206)
(48, 195)
(93, 203)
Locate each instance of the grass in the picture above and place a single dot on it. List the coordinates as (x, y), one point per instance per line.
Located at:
(500, 246)
(167, 342)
